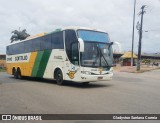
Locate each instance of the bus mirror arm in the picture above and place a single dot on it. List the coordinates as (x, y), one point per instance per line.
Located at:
(110, 44)
(81, 45)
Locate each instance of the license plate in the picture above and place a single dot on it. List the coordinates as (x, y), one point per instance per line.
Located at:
(99, 78)
(101, 69)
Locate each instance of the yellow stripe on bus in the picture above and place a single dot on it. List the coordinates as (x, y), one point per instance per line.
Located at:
(26, 68)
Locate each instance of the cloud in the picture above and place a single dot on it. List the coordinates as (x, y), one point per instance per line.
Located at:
(114, 16)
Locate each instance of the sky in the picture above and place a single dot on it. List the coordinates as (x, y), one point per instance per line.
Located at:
(113, 16)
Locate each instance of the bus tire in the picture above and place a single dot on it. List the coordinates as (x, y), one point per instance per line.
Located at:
(85, 83)
(15, 73)
(59, 77)
(19, 76)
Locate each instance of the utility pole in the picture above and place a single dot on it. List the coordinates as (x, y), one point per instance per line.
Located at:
(133, 32)
(140, 37)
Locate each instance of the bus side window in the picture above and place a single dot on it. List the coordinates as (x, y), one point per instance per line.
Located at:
(36, 44)
(14, 49)
(46, 42)
(57, 40)
(11, 50)
(7, 51)
(20, 48)
(28, 47)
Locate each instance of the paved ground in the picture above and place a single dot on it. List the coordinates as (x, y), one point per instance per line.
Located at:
(126, 93)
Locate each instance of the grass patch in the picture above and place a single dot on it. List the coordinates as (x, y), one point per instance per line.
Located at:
(2, 70)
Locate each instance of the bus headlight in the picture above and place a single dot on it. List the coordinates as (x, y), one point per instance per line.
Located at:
(111, 69)
(86, 72)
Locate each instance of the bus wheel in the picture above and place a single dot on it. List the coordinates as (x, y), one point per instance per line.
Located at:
(85, 83)
(59, 77)
(15, 74)
(19, 74)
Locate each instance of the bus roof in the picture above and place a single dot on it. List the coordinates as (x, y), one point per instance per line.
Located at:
(83, 28)
(35, 36)
(29, 38)
(57, 30)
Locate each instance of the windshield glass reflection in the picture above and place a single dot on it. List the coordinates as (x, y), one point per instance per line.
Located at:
(96, 55)
(93, 36)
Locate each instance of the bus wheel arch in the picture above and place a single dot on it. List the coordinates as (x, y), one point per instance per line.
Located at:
(58, 76)
(19, 76)
(14, 72)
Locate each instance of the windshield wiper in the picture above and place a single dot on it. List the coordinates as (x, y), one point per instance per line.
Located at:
(102, 55)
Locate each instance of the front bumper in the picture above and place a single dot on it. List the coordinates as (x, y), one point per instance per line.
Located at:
(94, 78)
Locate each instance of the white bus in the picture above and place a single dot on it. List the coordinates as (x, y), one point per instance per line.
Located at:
(75, 54)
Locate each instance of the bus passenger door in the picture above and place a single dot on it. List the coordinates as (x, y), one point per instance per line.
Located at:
(71, 62)
(75, 61)
(74, 65)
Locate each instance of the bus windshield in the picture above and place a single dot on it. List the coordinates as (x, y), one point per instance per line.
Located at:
(94, 36)
(97, 49)
(97, 55)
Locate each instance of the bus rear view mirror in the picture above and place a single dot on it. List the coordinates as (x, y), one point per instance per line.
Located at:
(110, 44)
(81, 45)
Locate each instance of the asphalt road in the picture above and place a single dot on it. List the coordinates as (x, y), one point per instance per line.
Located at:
(126, 93)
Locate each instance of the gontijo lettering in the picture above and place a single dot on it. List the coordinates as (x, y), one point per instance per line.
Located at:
(18, 58)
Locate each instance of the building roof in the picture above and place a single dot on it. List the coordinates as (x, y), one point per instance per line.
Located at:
(2, 54)
(128, 55)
